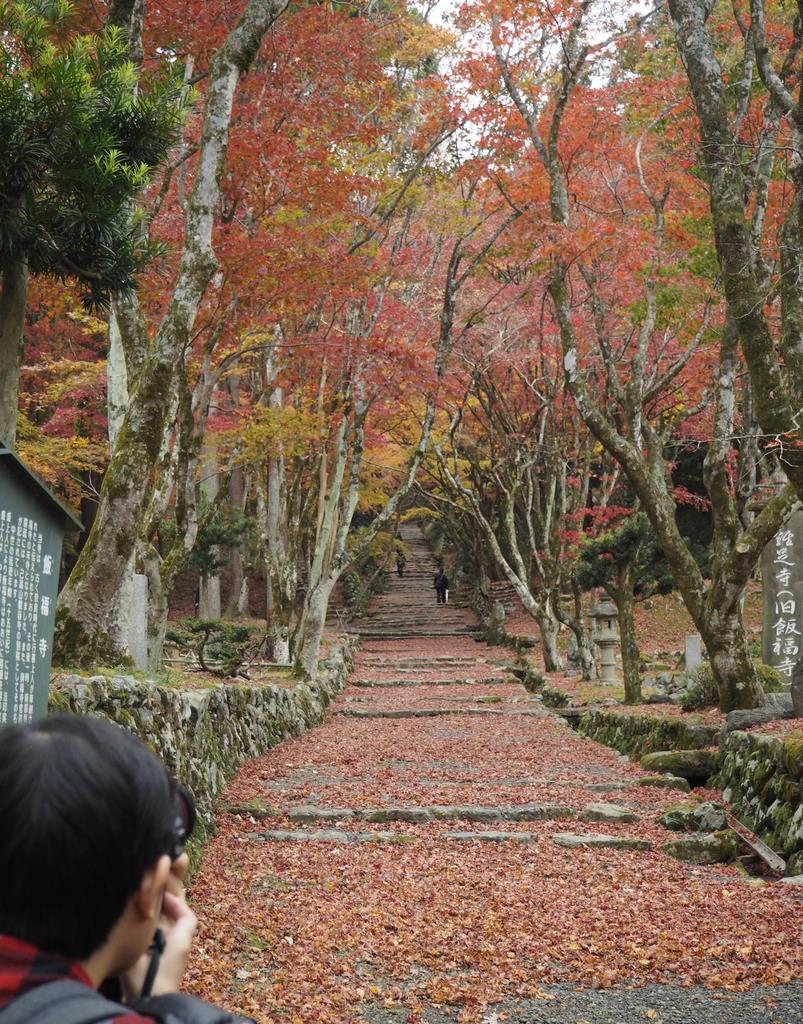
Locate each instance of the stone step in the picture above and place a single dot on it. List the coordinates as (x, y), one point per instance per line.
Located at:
(410, 629)
(416, 664)
(437, 712)
(373, 684)
(331, 835)
(572, 841)
(311, 813)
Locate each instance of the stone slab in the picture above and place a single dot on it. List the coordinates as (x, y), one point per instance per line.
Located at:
(607, 812)
(436, 713)
(693, 645)
(665, 782)
(491, 837)
(311, 812)
(572, 841)
(381, 684)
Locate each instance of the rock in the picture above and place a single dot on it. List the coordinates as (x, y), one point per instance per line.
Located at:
(664, 782)
(323, 835)
(536, 812)
(658, 698)
(793, 880)
(415, 815)
(794, 866)
(255, 808)
(697, 766)
(310, 812)
(468, 813)
(705, 817)
(491, 837)
(573, 840)
(713, 848)
(607, 812)
(606, 787)
(797, 690)
(775, 706)
(395, 838)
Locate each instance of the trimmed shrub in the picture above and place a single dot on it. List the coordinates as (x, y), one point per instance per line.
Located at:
(701, 690)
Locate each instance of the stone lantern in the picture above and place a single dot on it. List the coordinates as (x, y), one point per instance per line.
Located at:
(606, 638)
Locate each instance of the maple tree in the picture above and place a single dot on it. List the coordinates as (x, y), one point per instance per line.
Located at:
(340, 224)
(749, 154)
(632, 311)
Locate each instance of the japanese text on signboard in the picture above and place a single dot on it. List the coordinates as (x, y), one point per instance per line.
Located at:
(24, 613)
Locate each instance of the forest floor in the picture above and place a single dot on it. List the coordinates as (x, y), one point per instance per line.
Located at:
(405, 865)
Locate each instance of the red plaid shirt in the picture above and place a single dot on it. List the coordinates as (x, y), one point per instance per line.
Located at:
(23, 967)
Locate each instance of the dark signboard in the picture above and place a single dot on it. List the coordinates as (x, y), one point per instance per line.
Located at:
(32, 526)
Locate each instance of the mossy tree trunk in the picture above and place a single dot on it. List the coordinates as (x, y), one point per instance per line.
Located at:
(13, 298)
(625, 601)
(775, 367)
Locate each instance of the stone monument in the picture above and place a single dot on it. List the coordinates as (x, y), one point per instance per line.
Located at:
(782, 585)
(32, 526)
(693, 649)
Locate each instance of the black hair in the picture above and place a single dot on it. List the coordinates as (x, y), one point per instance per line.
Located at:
(85, 811)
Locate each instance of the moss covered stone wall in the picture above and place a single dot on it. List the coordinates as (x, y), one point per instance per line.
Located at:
(204, 736)
(636, 735)
(762, 779)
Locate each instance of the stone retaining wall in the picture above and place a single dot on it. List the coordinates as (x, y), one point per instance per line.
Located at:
(204, 736)
(636, 735)
(762, 779)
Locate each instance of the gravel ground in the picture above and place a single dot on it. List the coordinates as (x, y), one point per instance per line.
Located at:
(661, 1004)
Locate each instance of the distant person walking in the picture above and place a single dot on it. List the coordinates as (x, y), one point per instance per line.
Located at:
(441, 584)
(401, 561)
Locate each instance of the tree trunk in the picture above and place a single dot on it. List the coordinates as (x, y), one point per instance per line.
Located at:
(574, 621)
(625, 608)
(731, 664)
(13, 298)
(315, 609)
(82, 630)
(548, 627)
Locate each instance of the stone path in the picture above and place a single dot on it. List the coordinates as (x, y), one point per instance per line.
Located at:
(446, 849)
(409, 608)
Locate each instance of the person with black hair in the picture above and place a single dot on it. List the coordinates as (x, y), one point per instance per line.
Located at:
(92, 864)
(441, 584)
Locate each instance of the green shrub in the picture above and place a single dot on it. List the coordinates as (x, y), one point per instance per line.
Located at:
(702, 688)
(769, 677)
(222, 648)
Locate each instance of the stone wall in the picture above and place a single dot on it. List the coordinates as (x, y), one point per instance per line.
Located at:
(636, 735)
(204, 736)
(762, 779)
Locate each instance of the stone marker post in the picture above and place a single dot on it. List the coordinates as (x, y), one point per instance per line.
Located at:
(782, 575)
(32, 526)
(138, 622)
(782, 585)
(694, 651)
